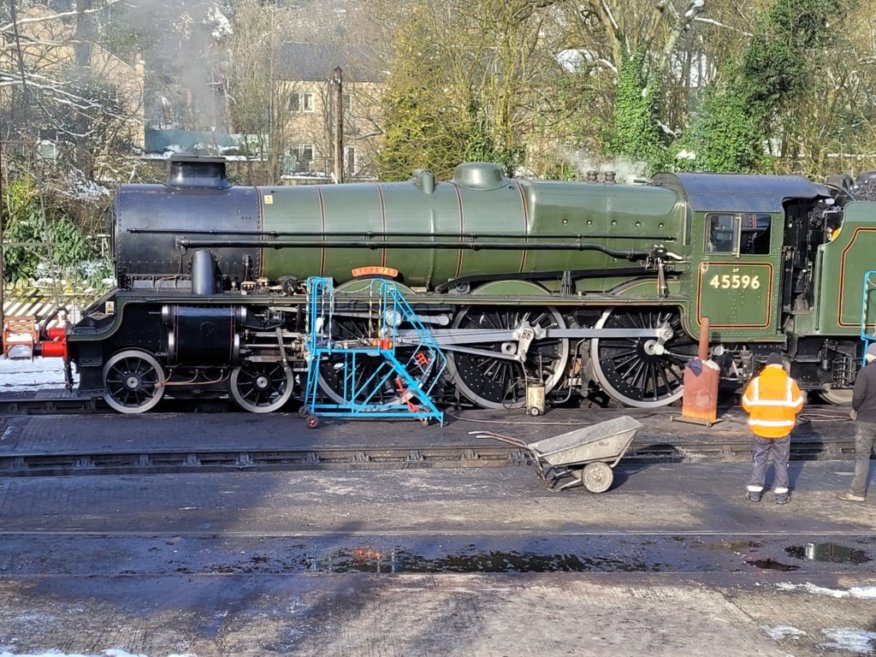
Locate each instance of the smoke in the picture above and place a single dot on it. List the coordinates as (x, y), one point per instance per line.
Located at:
(186, 62)
(626, 170)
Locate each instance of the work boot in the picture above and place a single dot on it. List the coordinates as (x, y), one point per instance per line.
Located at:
(754, 496)
(783, 498)
(850, 497)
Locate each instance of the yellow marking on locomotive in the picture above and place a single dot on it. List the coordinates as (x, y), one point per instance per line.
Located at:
(375, 271)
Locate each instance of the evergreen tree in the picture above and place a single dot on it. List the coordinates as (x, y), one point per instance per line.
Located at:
(777, 68)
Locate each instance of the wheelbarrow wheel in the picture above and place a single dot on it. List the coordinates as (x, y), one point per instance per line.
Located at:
(597, 477)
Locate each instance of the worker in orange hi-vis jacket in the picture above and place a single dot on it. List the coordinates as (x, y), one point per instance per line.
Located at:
(773, 401)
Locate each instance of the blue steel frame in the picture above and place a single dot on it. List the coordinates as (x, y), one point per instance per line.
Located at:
(868, 287)
(414, 374)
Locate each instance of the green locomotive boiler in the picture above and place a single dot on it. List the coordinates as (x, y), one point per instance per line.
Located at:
(579, 285)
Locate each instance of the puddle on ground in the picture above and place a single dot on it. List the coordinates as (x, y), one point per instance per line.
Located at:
(399, 561)
(770, 564)
(830, 552)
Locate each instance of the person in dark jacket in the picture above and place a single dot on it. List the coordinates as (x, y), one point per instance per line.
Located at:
(864, 404)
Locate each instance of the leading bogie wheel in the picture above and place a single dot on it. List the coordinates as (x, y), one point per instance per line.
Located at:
(261, 387)
(597, 477)
(134, 381)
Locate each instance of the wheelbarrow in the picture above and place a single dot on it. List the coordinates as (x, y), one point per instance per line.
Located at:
(584, 456)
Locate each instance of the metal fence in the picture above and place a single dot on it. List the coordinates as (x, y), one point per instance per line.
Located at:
(41, 303)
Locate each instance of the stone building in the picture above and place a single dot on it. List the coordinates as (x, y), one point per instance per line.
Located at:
(304, 78)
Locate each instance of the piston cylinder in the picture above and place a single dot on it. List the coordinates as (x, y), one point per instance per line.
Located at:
(203, 336)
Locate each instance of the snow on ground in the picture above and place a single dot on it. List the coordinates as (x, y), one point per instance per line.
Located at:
(780, 632)
(849, 639)
(30, 376)
(861, 592)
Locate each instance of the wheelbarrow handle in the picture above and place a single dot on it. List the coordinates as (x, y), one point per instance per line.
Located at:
(509, 440)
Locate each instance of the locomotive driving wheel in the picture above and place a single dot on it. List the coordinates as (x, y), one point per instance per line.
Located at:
(332, 373)
(134, 381)
(837, 397)
(642, 372)
(261, 387)
(500, 381)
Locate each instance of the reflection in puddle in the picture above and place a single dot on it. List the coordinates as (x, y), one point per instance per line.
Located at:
(830, 552)
(770, 564)
(367, 560)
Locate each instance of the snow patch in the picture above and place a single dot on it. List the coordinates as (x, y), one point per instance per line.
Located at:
(848, 639)
(860, 592)
(220, 26)
(30, 376)
(780, 632)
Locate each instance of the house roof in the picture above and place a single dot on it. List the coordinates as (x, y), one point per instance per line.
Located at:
(314, 62)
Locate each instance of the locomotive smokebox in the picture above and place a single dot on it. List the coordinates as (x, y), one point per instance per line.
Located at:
(197, 200)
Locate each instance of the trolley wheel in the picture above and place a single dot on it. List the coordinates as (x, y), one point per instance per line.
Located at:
(597, 477)
(312, 422)
(534, 412)
(424, 422)
(303, 412)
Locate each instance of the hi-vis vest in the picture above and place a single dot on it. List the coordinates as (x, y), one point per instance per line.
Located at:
(772, 401)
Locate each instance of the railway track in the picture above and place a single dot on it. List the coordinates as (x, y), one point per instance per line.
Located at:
(476, 455)
(664, 442)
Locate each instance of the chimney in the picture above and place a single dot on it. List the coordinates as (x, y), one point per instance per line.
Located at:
(200, 172)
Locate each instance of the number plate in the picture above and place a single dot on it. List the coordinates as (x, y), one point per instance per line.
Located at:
(737, 295)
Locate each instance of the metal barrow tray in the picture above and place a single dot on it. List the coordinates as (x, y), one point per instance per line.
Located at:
(587, 455)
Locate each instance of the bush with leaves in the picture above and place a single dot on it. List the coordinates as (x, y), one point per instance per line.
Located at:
(635, 134)
(29, 231)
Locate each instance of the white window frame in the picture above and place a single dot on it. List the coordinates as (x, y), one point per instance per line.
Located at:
(301, 102)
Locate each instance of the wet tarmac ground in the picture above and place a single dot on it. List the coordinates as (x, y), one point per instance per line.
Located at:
(483, 562)
(51, 434)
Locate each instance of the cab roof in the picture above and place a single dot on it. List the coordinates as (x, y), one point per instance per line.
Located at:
(736, 192)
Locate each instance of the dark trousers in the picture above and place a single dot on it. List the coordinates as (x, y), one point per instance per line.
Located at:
(865, 435)
(761, 448)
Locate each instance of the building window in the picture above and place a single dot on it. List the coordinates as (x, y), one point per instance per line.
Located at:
(301, 102)
(299, 160)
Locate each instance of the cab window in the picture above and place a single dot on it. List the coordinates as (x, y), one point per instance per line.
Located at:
(739, 233)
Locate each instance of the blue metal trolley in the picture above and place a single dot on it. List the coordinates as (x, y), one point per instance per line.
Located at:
(409, 365)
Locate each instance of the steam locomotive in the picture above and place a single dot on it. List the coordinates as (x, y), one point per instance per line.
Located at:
(582, 286)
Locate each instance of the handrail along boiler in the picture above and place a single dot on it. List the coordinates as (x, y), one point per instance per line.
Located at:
(583, 286)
